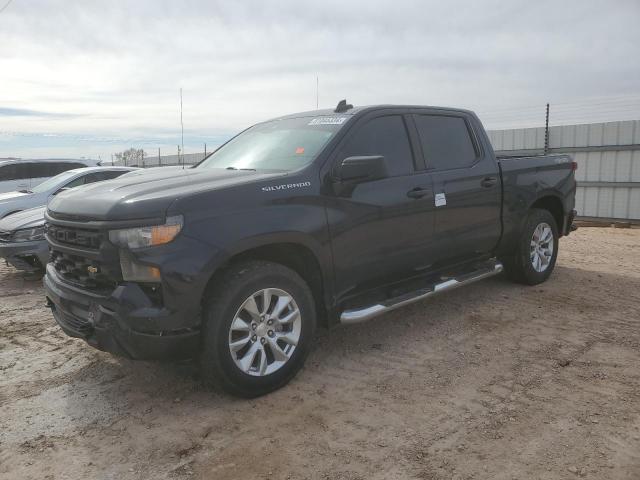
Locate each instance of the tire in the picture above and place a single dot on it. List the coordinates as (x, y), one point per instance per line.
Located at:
(260, 366)
(527, 266)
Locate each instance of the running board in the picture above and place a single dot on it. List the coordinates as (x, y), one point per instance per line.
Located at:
(363, 314)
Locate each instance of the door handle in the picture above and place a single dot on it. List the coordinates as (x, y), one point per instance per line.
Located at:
(488, 182)
(418, 192)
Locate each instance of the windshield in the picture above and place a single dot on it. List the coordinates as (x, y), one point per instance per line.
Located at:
(54, 182)
(287, 144)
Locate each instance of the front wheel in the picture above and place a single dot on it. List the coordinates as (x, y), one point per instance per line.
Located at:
(537, 249)
(258, 328)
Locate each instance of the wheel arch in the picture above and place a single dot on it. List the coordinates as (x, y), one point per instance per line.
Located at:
(296, 255)
(553, 204)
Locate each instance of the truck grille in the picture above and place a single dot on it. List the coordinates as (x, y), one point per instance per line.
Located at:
(83, 257)
(81, 271)
(74, 236)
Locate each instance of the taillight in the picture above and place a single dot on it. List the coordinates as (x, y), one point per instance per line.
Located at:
(574, 165)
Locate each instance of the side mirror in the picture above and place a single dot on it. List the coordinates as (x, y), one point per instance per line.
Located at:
(63, 189)
(362, 169)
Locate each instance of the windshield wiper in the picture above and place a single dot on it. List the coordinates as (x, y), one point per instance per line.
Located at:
(25, 191)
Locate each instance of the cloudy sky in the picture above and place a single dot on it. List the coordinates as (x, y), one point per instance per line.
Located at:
(91, 78)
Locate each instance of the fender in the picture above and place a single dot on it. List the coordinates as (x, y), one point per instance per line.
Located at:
(320, 251)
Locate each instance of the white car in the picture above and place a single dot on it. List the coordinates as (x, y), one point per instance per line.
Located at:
(26, 174)
(39, 195)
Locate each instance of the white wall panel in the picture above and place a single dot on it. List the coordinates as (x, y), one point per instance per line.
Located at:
(609, 165)
(634, 203)
(634, 174)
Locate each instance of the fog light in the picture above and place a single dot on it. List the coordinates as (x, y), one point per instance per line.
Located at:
(135, 272)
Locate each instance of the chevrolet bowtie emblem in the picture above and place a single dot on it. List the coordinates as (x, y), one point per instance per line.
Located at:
(92, 269)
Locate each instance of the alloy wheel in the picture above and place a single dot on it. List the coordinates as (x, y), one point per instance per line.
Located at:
(541, 247)
(265, 332)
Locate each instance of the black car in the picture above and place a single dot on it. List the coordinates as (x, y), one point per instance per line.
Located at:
(317, 218)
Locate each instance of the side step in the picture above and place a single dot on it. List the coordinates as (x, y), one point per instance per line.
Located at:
(363, 314)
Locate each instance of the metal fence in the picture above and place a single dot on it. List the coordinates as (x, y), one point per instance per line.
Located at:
(608, 156)
(166, 160)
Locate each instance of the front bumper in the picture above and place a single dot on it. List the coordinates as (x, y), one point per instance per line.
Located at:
(124, 322)
(28, 256)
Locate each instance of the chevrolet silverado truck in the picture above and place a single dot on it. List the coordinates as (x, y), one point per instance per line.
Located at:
(313, 219)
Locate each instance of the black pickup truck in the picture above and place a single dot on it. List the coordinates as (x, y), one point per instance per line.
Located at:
(316, 218)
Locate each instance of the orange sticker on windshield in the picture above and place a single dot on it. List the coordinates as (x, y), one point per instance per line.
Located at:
(299, 150)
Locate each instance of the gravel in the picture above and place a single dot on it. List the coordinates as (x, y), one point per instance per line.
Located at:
(495, 380)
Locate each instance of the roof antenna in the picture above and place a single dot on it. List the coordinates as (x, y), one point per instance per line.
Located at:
(343, 106)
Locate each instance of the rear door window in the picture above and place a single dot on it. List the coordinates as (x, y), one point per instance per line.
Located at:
(101, 176)
(386, 136)
(64, 166)
(446, 141)
(17, 171)
(42, 170)
(7, 172)
(76, 182)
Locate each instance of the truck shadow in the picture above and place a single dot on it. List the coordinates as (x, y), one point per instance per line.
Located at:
(18, 279)
(114, 383)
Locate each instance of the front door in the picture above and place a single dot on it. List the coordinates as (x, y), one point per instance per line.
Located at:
(381, 230)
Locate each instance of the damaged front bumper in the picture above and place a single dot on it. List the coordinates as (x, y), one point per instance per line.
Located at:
(124, 322)
(28, 256)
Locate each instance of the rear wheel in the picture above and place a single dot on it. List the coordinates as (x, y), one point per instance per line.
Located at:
(537, 250)
(258, 327)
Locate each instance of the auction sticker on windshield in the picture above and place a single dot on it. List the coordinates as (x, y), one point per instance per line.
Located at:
(327, 121)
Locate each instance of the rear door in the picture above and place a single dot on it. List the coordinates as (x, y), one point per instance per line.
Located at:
(380, 230)
(466, 186)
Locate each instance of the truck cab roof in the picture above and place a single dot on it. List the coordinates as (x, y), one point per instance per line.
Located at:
(357, 110)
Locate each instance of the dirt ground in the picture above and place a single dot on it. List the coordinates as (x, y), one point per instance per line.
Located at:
(495, 380)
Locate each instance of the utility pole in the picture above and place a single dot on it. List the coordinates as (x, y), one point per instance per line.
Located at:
(182, 129)
(317, 92)
(159, 159)
(205, 149)
(546, 132)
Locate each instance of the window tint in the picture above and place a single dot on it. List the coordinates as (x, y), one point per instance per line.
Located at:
(60, 167)
(101, 176)
(44, 169)
(113, 174)
(7, 172)
(17, 171)
(385, 136)
(445, 141)
(75, 183)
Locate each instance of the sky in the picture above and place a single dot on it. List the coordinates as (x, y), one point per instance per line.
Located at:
(91, 78)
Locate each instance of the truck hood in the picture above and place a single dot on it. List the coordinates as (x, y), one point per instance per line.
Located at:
(147, 195)
(34, 217)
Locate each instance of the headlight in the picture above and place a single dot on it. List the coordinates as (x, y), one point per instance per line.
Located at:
(28, 234)
(147, 236)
